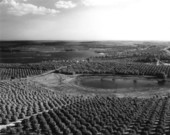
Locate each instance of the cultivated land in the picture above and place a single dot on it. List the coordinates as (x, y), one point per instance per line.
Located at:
(41, 92)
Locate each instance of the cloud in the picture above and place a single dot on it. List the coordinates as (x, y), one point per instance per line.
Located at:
(65, 4)
(105, 2)
(20, 9)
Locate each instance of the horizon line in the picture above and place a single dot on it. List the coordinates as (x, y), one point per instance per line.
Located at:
(86, 40)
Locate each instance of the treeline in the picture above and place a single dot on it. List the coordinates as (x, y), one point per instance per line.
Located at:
(116, 68)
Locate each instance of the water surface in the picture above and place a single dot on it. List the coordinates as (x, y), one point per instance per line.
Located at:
(114, 83)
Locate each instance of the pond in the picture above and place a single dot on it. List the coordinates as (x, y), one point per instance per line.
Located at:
(121, 82)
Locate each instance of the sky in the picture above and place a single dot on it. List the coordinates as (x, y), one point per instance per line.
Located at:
(85, 20)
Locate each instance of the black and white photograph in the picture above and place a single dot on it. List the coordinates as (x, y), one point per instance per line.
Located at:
(84, 67)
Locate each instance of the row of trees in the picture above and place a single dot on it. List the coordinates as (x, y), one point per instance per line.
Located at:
(128, 68)
(23, 98)
(101, 116)
(11, 71)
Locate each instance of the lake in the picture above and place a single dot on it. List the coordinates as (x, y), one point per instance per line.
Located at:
(116, 83)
